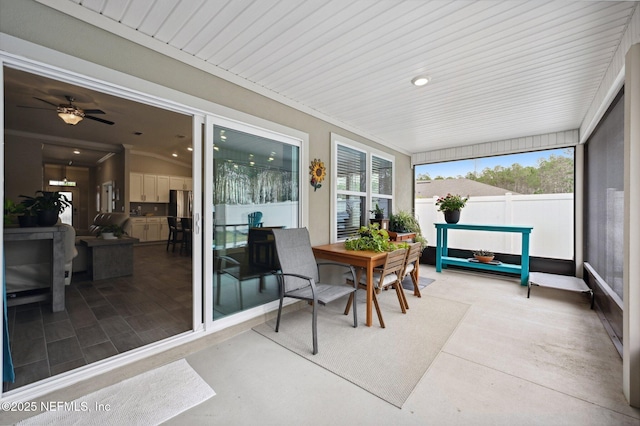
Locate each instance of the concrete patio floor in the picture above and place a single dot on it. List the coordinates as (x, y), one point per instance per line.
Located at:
(546, 360)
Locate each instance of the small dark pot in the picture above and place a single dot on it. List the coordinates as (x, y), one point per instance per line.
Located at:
(379, 216)
(28, 221)
(452, 216)
(47, 217)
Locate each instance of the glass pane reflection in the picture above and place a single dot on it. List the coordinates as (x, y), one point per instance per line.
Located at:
(256, 189)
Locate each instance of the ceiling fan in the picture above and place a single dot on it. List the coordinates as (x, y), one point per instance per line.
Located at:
(71, 114)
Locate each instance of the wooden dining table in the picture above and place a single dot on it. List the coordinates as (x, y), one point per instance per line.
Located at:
(361, 259)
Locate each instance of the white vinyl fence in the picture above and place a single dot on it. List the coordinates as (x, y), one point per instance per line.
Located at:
(551, 216)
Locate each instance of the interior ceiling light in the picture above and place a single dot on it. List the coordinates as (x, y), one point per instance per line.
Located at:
(70, 114)
(76, 152)
(189, 148)
(174, 154)
(420, 80)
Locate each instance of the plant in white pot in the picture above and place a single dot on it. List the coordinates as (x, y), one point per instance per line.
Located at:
(111, 232)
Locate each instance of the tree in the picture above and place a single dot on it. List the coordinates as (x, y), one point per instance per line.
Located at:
(551, 176)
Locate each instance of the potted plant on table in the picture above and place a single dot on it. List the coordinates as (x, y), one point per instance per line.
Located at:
(47, 206)
(371, 238)
(451, 205)
(111, 232)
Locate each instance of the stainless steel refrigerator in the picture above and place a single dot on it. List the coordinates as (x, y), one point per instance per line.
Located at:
(180, 203)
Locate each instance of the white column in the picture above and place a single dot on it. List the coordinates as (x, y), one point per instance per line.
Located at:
(631, 318)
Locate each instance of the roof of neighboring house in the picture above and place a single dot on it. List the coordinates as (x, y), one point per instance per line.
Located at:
(464, 187)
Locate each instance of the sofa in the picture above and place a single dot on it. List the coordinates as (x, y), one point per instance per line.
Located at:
(100, 220)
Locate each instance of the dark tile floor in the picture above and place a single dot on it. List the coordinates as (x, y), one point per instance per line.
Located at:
(103, 318)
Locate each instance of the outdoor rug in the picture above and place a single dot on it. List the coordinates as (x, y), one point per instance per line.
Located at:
(147, 399)
(387, 362)
(407, 283)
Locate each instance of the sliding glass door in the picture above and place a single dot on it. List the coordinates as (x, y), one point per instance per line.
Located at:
(255, 188)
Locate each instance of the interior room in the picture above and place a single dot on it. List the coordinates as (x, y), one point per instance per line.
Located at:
(96, 165)
(186, 147)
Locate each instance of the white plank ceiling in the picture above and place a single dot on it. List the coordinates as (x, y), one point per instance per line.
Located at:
(498, 69)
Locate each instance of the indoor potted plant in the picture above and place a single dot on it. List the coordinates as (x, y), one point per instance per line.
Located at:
(484, 256)
(111, 232)
(26, 216)
(451, 205)
(47, 206)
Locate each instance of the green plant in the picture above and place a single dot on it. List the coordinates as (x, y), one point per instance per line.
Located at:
(372, 238)
(483, 253)
(404, 221)
(47, 200)
(11, 210)
(117, 230)
(451, 202)
(377, 211)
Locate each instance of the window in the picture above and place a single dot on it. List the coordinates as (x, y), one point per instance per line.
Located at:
(363, 178)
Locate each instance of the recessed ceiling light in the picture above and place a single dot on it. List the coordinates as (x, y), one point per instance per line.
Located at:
(420, 80)
(189, 148)
(75, 151)
(174, 154)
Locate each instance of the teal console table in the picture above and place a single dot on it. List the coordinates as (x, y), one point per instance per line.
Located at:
(442, 251)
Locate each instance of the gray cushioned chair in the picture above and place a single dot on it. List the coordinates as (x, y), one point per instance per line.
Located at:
(299, 276)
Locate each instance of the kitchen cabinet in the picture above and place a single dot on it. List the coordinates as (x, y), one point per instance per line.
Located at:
(147, 188)
(176, 182)
(181, 183)
(153, 229)
(162, 189)
(163, 229)
(136, 187)
(138, 228)
(150, 185)
(147, 229)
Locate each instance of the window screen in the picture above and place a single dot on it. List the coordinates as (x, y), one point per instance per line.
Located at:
(605, 197)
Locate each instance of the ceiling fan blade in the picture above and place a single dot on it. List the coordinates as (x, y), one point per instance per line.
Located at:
(46, 102)
(93, 111)
(30, 107)
(101, 120)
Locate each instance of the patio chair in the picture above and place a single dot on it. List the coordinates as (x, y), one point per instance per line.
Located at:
(255, 220)
(299, 276)
(383, 278)
(411, 265)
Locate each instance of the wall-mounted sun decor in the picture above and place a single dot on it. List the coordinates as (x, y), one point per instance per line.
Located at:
(317, 172)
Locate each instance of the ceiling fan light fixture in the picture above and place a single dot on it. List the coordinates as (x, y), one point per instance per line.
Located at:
(420, 80)
(70, 114)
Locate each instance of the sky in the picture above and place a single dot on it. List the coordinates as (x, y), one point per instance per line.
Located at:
(462, 167)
